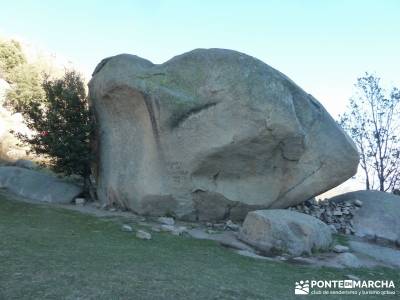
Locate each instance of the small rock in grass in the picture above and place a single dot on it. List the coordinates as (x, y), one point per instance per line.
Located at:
(141, 234)
(166, 220)
(252, 255)
(220, 226)
(337, 212)
(168, 228)
(126, 228)
(303, 260)
(281, 258)
(174, 230)
(340, 249)
(352, 277)
(179, 230)
(80, 201)
(232, 226)
(155, 229)
(348, 260)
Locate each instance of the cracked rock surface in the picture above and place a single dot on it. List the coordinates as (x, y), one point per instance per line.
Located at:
(211, 135)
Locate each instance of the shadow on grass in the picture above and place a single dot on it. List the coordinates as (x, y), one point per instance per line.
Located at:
(51, 253)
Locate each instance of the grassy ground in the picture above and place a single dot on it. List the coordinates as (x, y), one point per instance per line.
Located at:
(49, 253)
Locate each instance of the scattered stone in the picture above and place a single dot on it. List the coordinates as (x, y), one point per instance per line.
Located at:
(225, 238)
(251, 254)
(126, 228)
(348, 260)
(167, 228)
(281, 258)
(280, 231)
(112, 209)
(337, 213)
(352, 277)
(210, 231)
(166, 221)
(141, 234)
(301, 259)
(179, 230)
(340, 249)
(80, 201)
(232, 226)
(173, 229)
(358, 203)
(155, 229)
(219, 226)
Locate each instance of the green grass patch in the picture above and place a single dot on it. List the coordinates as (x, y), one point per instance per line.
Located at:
(50, 253)
(341, 239)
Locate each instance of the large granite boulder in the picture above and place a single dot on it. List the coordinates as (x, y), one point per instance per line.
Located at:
(378, 216)
(280, 231)
(210, 134)
(37, 186)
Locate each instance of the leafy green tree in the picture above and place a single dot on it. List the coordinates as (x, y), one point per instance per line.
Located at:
(25, 79)
(62, 124)
(373, 121)
(11, 56)
(26, 87)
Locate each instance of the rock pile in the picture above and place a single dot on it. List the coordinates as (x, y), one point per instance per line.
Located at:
(338, 215)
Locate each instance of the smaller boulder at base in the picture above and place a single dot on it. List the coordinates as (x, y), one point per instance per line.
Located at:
(37, 186)
(279, 231)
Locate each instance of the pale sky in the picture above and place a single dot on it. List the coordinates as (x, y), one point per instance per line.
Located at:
(322, 45)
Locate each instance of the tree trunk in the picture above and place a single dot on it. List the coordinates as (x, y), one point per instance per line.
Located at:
(382, 184)
(89, 189)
